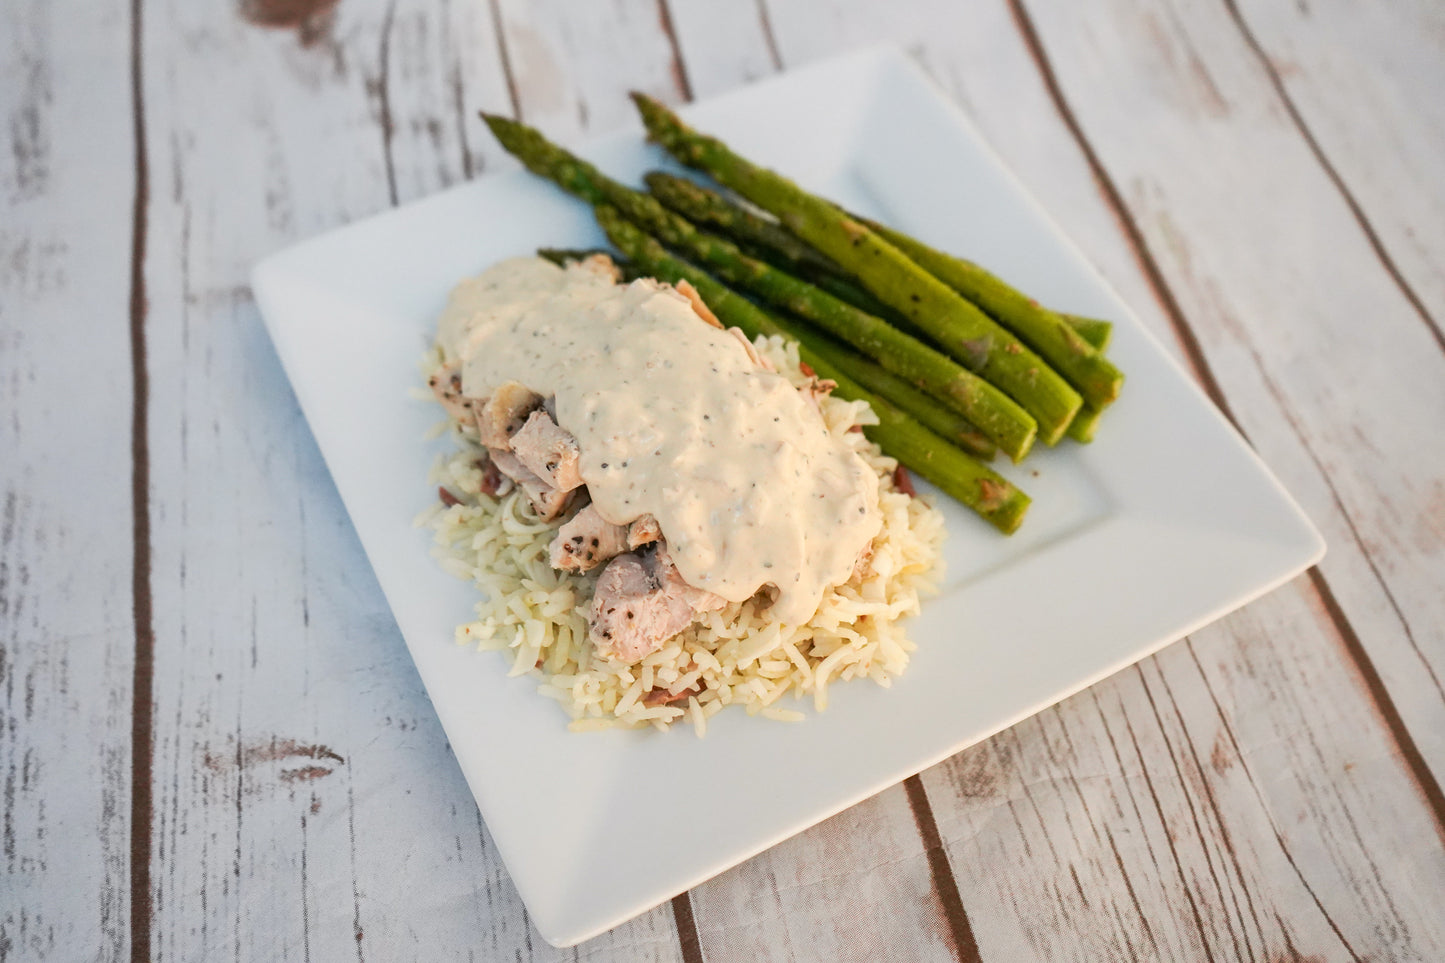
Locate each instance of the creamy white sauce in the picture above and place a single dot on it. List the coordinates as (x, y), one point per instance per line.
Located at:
(673, 417)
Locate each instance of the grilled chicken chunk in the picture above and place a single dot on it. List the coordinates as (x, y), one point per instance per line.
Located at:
(446, 384)
(643, 530)
(548, 501)
(641, 601)
(586, 541)
(549, 451)
(504, 414)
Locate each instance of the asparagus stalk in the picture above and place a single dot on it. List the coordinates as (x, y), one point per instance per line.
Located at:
(965, 332)
(988, 408)
(769, 241)
(751, 231)
(879, 380)
(899, 435)
(1050, 335)
(1007, 423)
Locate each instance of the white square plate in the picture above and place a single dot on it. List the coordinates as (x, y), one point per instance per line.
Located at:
(1166, 522)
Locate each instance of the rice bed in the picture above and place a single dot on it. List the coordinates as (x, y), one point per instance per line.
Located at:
(733, 656)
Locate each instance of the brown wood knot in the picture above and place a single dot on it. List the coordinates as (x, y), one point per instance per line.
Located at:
(290, 761)
(311, 19)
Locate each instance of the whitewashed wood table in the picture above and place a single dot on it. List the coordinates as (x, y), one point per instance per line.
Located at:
(212, 742)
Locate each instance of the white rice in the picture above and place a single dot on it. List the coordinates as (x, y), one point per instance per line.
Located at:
(734, 656)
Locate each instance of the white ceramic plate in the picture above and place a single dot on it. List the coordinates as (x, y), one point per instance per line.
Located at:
(1165, 523)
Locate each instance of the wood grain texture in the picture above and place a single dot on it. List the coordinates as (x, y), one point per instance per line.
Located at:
(65, 518)
(573, 64)
(307, 805)
(1383, 131)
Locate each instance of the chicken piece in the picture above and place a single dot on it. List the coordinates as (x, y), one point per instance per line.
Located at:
(446, 384)
(548, 501)
(548, 450)
(641, 601)
(586, 541)
(643, 530)
(694, 298)
(600, 264)
(504, 414)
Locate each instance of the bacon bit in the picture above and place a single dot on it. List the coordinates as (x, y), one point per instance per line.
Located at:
(492, 477)
(807, 369)
(903, 482)
(448, 499)
(661, 697)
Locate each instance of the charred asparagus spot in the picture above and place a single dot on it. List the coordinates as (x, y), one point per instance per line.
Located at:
(965, 332)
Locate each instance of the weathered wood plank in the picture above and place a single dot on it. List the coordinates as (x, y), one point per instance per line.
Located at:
(1366, 80)
(723, 45)
(66, 629)
(306, 803)
(857, 887)
(573, 64)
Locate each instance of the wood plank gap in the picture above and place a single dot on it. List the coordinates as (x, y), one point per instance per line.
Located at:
(1419, 770)
(1193, 350)
(679, 69)
(1333, 174)
(686, 924)
(506, 59)
(388, 20)
(965, 946)
(142, 728)
(765, 20)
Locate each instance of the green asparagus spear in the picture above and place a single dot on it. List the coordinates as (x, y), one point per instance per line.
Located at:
(768, 241)
(1008, 424)
(988, 408)
(900, 436)
(965, 332)
(751, 231)
(879, 380)
(1050, 335)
